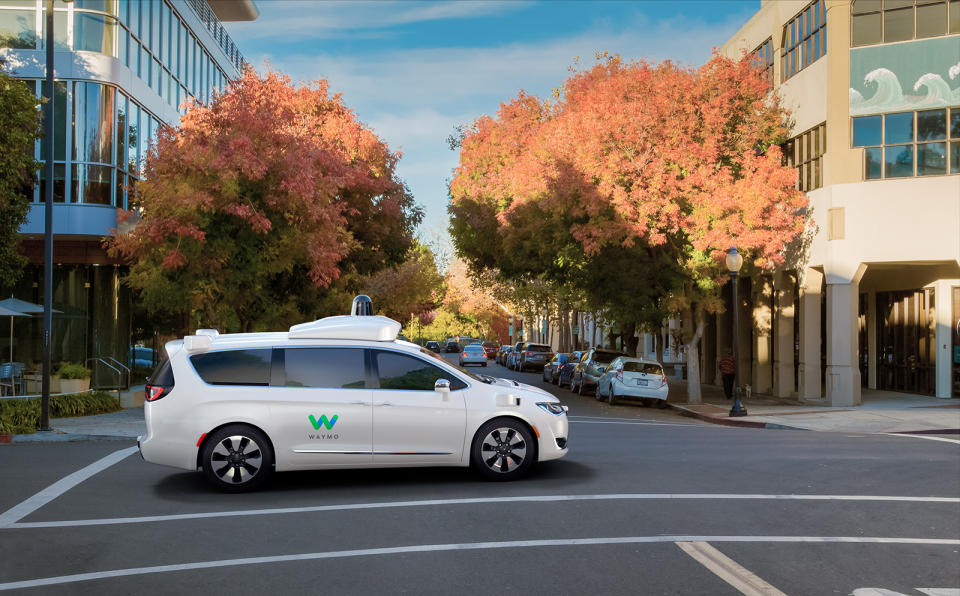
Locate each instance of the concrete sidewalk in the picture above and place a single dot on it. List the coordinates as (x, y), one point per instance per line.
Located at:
(126, 424)
(880, 412)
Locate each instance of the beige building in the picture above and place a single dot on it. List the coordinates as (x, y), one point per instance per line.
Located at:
(874, 91)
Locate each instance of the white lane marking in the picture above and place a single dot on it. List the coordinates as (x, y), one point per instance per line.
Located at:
(469, 501)
(421, 548)
(927, 437)
(729, 570)
(61, 486)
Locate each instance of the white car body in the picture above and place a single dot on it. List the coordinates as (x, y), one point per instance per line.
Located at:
(365, 426)
(473, 354)
(645, 381)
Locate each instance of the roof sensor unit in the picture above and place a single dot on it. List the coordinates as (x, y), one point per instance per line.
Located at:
(362, 306)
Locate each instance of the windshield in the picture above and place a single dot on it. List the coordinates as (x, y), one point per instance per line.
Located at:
(482, 378)
(473, 348)
(538, 348)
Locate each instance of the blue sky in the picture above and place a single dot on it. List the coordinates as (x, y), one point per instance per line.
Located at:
(412, 71)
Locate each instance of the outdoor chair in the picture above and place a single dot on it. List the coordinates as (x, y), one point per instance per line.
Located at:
(7, 382)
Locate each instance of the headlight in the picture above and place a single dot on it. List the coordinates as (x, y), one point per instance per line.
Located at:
(553, 407)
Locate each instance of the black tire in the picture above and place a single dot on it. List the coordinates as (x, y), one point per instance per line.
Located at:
(486, 443)
(662, 404)
(223, 444)
(544, 375)
(580, 386)
(611, 397)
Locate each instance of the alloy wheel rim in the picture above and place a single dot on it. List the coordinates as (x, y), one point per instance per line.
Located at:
(503, 450)
(236, 459)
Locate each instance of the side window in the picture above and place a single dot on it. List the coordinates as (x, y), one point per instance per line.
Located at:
(401, 371)
(234, 367)
(338, 368)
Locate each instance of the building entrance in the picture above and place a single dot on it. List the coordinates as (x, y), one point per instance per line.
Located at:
(906, 334)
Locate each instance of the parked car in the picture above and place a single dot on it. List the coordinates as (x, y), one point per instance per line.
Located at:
(565, 374)
(591, 366)
(473, 354)
(514, 355)
(453, 346)
(502, 354)
(636, 378)
(551, 369)
(242, 406)
(533, 356)
(433, 346)
(491, 348)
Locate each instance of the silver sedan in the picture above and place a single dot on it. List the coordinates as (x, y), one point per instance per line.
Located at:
(473, 354)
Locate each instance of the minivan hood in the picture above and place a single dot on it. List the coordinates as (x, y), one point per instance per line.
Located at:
(517, 386)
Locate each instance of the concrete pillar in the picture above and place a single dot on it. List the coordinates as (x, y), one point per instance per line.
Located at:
(762, 376)
(783, 285)
(810, 296)
(943, 300)
(873, 363)
(843, 370)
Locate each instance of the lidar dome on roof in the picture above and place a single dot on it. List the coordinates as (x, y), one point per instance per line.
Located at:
(371, 328)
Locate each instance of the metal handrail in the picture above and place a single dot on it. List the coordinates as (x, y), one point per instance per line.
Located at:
(126, 369)
(99, 360)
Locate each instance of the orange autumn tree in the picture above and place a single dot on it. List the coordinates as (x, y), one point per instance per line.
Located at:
(671, 165)
(270, 191)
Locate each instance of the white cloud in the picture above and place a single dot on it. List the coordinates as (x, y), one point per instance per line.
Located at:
(356, 20)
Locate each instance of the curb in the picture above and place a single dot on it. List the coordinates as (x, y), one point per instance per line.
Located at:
(58, 437)
(732, 421)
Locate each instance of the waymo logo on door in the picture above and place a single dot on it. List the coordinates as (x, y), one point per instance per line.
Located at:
(324, 421)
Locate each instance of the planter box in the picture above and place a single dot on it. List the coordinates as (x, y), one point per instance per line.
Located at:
(73, 385)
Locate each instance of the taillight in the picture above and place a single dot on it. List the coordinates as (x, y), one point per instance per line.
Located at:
(464, 353)
(663, 380)
(155, 392)
(528, 353)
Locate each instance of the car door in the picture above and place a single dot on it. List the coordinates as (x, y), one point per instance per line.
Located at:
(322, 407)
(413, 423)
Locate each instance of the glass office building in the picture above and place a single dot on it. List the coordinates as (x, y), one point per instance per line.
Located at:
(123, 68)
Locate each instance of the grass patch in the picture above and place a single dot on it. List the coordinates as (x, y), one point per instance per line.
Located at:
(22, 416)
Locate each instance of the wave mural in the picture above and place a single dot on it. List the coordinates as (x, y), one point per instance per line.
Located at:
(929, 91)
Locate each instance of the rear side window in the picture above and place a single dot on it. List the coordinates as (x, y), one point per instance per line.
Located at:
(163, 375)
(234, 367)
(339, 368)
(604, 357)
(400, 371)
(643, 367)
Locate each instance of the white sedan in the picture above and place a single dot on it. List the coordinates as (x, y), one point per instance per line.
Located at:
(473, 354)
(634, 378)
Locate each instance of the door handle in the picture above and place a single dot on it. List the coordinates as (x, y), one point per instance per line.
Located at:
(385, 404)
(359, 403)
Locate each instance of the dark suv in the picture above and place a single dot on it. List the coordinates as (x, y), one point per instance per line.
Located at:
(533, 356)
(587, 373)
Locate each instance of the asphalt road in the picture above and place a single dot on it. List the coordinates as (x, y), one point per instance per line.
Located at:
(646, 502)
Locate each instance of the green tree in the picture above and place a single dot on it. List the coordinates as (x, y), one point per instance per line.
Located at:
(19, 129)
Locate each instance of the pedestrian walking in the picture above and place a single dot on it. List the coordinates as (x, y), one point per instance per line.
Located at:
(728, 368)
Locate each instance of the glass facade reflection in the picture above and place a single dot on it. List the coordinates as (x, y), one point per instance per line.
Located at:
(104, 126)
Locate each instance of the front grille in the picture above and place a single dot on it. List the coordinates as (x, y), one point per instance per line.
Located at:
(562, 442)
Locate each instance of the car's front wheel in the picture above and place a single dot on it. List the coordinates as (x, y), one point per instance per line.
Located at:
(580, 386)
(503, 449)
(237, 458)
(612, 397)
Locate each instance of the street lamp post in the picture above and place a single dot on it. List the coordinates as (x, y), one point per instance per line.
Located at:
(734, 262)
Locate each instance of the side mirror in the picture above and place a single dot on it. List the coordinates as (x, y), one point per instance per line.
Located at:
(442, 386)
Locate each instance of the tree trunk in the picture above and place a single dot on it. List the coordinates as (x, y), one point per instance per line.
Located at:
(660, 344)
(630, 340)
(694, 395)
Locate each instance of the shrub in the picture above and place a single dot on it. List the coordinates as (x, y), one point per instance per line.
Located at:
(22, 416)
(69, 370)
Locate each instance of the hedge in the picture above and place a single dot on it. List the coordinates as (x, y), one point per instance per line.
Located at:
(22, 416)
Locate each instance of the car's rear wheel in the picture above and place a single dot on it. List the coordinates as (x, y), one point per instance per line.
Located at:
(237, 458)
(611, 397)
(503, 449)
(580, 387)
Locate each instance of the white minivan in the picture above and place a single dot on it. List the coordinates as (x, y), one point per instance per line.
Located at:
(341, 392)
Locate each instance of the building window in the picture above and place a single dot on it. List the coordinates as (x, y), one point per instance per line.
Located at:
(18, 28)
(889, 21)
(762, 58)
(804, 39)
(906, 144)
(805, 153)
